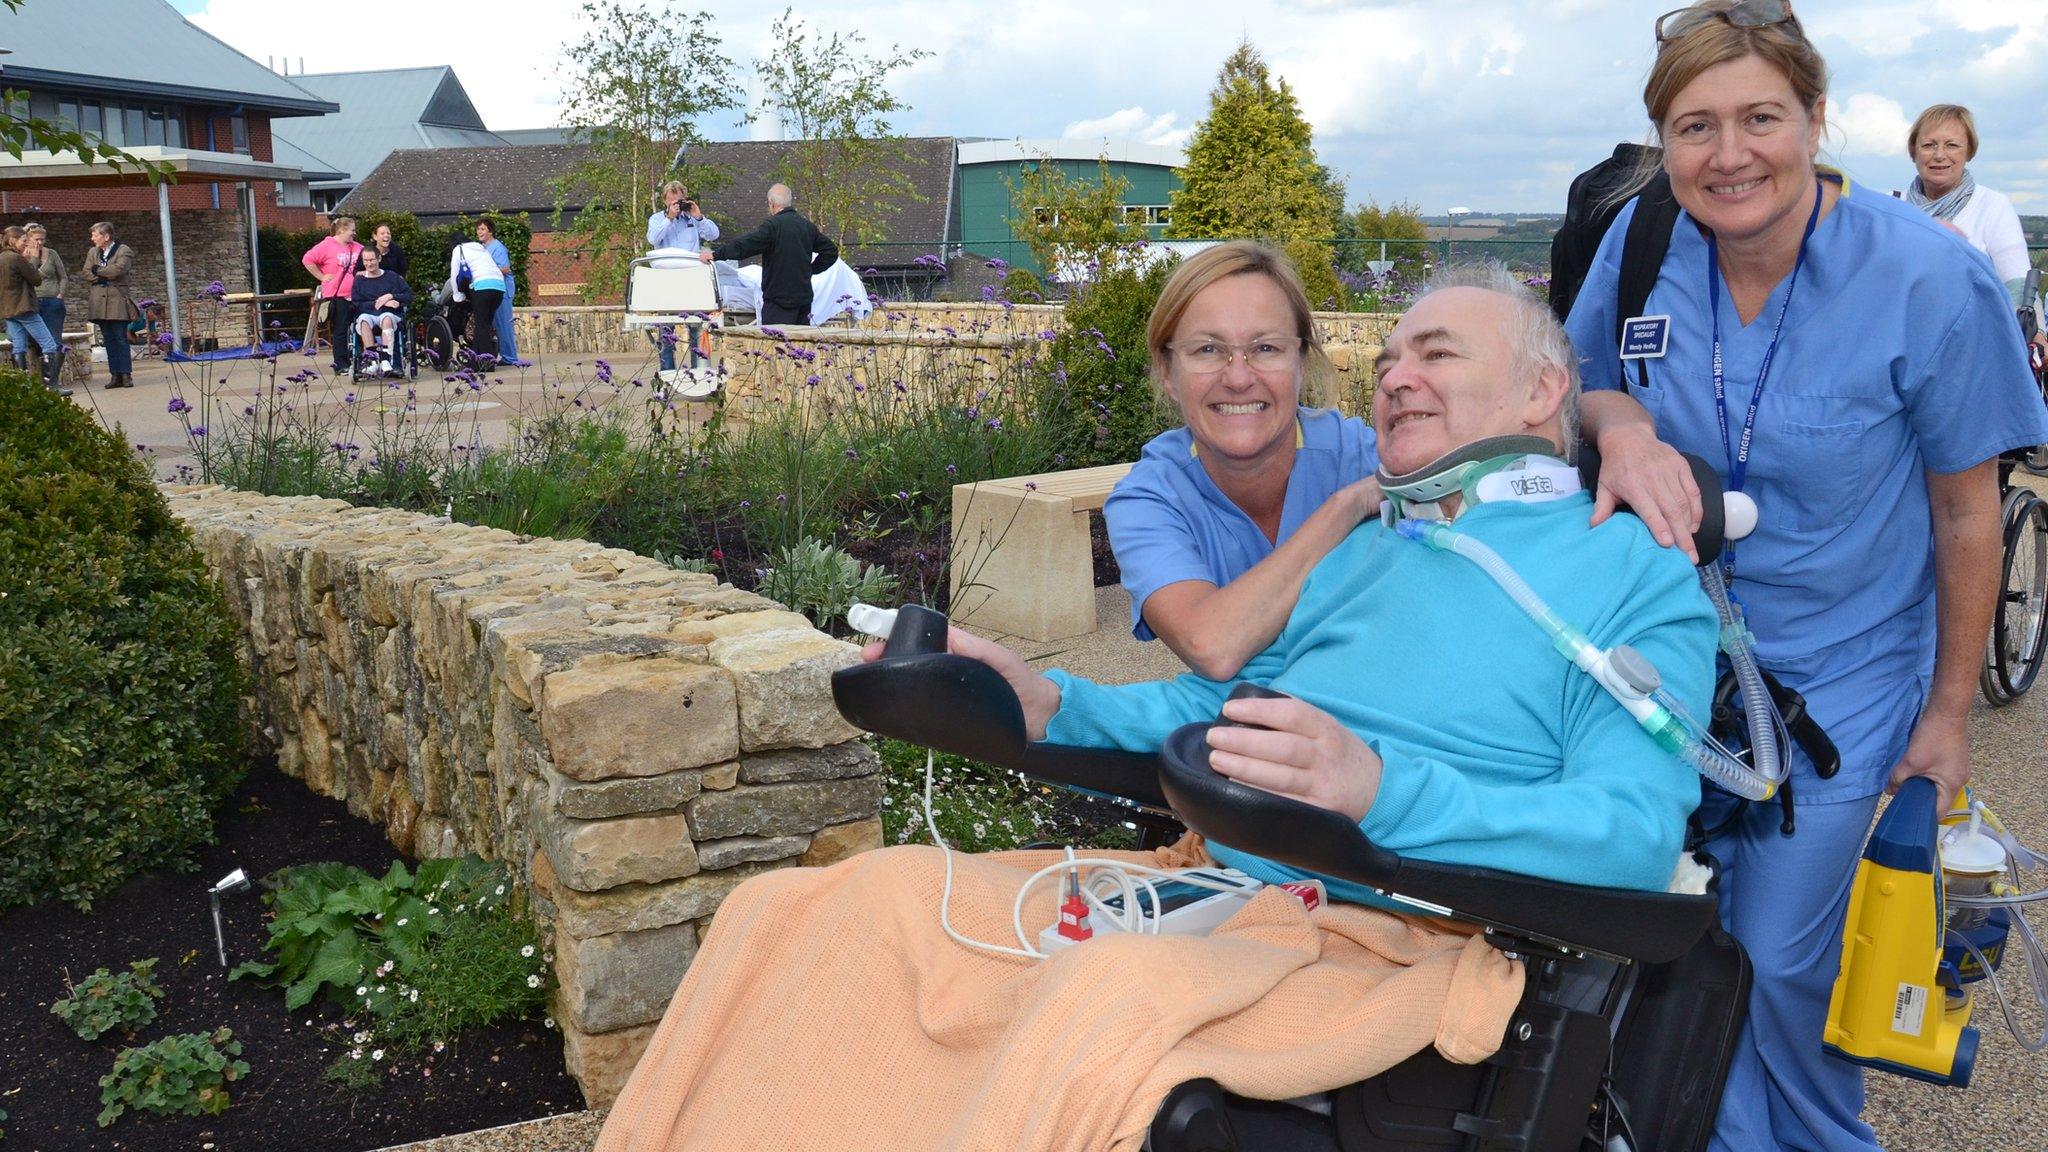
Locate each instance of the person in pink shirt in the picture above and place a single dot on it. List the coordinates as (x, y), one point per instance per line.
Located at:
(332, 262)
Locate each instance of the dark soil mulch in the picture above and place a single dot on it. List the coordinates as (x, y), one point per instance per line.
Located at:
(49, 1078)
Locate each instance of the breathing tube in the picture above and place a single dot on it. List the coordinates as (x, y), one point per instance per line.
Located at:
(1626, 675)
(1525, 467)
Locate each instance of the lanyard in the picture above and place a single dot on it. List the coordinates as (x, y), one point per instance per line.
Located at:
(1738, 451)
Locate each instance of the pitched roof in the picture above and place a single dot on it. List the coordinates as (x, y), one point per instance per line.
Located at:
(311, 167)
(516, 178)
(141, 48)
(383, 111)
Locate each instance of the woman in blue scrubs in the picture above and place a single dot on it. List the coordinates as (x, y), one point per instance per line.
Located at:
(1856, 371)
(1220, 520)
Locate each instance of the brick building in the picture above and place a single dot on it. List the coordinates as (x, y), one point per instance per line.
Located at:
(137, 75)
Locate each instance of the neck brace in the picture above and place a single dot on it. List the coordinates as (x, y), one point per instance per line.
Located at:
(1518, 468)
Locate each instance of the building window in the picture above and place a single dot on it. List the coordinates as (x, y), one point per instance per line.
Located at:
(239, 131)
(1148, 215)
(89, 121)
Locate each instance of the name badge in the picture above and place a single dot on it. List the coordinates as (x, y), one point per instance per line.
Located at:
(1645, 337)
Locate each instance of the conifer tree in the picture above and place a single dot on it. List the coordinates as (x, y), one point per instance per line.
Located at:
(1252, 172)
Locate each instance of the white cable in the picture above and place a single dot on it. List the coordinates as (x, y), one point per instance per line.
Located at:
(1124, 879)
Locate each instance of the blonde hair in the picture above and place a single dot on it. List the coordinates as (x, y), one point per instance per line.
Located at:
(1713, 42)
(1240, 258)
(1784, 46)
(1935, 114)
(335, 226)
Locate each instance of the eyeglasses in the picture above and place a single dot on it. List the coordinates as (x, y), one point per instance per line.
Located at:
(1681, 22)
(1208, 357)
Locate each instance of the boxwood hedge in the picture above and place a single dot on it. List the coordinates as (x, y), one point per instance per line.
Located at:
(119, 684)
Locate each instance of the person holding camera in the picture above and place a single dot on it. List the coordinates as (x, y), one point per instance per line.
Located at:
(681, 224)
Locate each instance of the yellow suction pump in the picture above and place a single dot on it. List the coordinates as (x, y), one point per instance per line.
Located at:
(1929, 917)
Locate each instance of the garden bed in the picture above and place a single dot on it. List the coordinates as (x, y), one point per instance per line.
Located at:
(49, 1078)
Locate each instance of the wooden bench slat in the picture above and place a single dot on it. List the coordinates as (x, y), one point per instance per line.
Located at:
(1086, 487)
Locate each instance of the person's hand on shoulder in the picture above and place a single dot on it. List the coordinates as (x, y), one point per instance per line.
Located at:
(1298, 751)
(1649, 476)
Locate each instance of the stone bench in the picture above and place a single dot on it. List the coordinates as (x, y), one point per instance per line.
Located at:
(1022, 562)
(77, 356)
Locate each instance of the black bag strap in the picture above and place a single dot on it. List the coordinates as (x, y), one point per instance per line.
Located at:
(1642, 258)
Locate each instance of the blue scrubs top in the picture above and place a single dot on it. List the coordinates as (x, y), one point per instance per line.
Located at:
(1900, 354)
(1169, 522)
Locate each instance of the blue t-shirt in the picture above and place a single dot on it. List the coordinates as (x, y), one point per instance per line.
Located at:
(1498, 751)
(1900, 354)
(1169, 522)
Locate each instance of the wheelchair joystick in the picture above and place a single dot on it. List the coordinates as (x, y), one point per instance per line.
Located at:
(909, 630)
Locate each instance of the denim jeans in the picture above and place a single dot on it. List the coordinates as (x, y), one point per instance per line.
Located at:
(51, 308)
(114, 334)
(29, 326)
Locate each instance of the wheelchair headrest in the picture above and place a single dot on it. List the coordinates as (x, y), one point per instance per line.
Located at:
(1712, 533)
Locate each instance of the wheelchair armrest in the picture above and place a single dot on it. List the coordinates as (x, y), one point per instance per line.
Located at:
(1652, 927)
(959, 705)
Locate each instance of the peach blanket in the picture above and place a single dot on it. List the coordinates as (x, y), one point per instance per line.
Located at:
(828, 1009)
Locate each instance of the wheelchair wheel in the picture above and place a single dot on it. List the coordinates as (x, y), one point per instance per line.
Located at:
(355, 354)
(2036, 460)
(2019, 631)
(437, 345)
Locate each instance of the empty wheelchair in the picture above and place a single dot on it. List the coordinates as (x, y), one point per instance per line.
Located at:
(2019, 628)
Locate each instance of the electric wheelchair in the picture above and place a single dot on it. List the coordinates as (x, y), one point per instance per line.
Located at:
(1632, 999)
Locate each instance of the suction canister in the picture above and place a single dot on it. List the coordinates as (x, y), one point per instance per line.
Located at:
(1972, 862)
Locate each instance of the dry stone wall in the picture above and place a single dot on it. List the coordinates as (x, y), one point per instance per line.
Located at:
(633, 741)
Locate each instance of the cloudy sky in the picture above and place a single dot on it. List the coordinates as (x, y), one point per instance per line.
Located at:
(1491, 104)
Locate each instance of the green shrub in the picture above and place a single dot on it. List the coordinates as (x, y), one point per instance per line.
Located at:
(119, 684)
(1099, 394)
(105, 1001)
(424, 955)
(822, 582)
(183, 1075)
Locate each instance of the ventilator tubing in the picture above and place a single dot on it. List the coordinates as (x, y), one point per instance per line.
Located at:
(1764, 723)
(1622, 671)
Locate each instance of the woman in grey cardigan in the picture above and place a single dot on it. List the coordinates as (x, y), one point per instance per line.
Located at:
(106, 302)
(56, 278)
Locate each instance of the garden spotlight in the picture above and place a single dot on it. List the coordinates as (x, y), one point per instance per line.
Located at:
(236, 881)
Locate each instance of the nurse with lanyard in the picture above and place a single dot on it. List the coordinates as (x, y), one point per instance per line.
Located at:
(1857, 372)
(1220, 520)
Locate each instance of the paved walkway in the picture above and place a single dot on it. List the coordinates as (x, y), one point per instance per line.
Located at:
(142, 412)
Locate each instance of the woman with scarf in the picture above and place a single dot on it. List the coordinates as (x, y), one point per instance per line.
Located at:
(1941, 145)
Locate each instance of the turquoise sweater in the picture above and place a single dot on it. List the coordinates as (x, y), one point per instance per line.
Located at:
(1498, 752)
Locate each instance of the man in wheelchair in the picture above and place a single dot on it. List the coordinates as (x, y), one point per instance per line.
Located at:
(853, 1007)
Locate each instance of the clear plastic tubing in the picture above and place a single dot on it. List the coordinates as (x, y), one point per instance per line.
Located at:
(1656, 711)
(1756, 701)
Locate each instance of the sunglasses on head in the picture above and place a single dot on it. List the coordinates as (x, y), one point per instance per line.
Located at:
(1742, 14)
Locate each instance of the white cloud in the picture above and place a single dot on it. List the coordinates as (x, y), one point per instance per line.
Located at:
(1870, 125)
(1491, 103)
(1132, 124)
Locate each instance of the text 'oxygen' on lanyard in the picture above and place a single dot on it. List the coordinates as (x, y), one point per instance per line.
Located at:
(1738, 451)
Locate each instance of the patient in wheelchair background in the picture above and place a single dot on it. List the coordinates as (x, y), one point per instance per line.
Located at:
(832, 1008)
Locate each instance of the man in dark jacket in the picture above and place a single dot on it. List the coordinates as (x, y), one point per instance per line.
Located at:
(792, 250)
